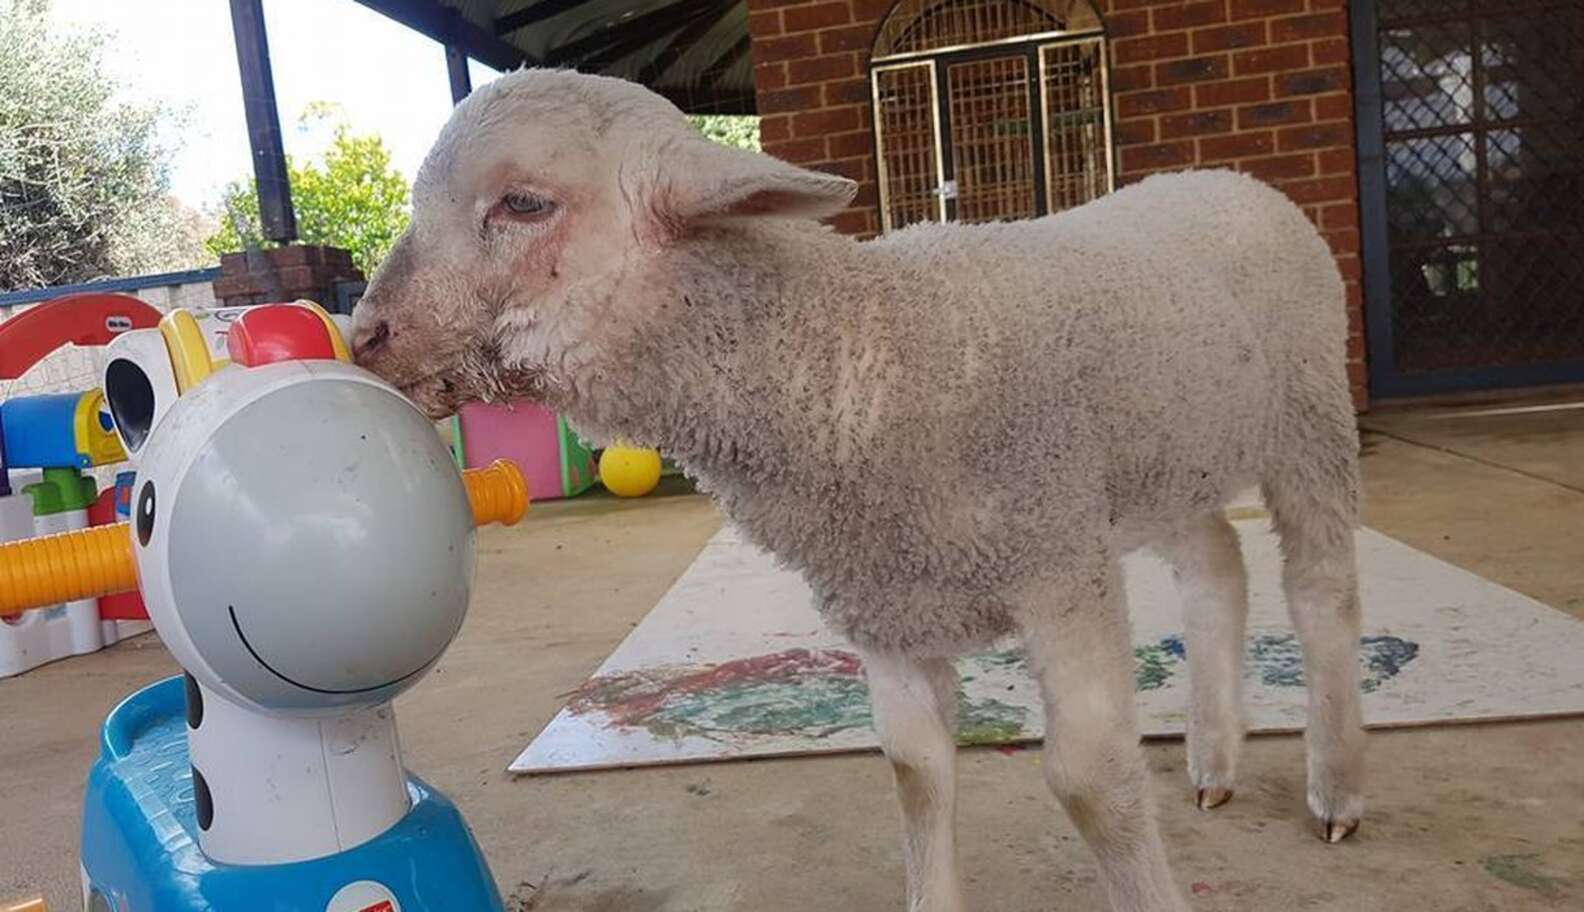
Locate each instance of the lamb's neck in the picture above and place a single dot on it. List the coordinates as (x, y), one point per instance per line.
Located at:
(718, 375)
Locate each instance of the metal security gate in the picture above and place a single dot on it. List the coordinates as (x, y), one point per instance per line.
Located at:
(1471, 179)
(989, 110)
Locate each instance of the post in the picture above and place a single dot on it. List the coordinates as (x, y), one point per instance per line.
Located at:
(457, 69)
(263, 121)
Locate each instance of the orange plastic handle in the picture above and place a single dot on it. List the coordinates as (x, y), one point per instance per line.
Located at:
(65, 567)
(498, 493)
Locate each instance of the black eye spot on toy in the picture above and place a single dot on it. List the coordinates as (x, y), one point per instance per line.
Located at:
(145, 513)
(203, 801)
(195, 705)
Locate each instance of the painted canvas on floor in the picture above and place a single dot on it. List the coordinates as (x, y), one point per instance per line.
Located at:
(734, 662)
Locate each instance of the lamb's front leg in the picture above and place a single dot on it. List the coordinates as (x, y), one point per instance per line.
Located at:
(915, 715)
(1079, 646)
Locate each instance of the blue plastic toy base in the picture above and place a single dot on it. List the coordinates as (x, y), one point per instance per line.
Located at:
(140, 848)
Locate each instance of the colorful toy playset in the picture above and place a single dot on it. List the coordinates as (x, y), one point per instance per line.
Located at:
(555, 462)
(305, 548)
(47, 441)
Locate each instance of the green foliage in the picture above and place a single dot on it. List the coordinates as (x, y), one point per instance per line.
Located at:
(84, 191)
(351, 198)
(729, 129)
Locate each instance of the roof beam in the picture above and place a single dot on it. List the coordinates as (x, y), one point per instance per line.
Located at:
(445, 25)
(263, 121)
(683, 41)
(529, 15)
(637, 31)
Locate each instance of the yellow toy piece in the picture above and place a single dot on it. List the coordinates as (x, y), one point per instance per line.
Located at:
(189, 351)
(27, 905)
(67, 566)
(95, 441)
(337, 343)
(629, 471)
(498, 493)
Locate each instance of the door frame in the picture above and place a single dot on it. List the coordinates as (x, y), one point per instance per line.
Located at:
(1385, 379)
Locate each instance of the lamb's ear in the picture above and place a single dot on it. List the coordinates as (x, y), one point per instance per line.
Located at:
(701, 181)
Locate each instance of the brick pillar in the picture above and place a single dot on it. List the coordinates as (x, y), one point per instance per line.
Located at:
(1262, 86)
(285, 274)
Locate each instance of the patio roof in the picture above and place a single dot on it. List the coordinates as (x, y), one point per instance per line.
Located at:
(694, 52)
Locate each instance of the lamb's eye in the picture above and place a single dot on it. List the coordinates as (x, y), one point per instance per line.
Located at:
(525, 204)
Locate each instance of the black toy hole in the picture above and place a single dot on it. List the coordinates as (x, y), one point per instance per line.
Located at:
(145, 513)
(195, 705)
(203, 801)
(131, 399)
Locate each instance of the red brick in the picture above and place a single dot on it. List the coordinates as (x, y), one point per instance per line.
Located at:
(871, 11)
(1334, 107)
(1279, 167)
(1195, 123)
(789, 47)
(1151, 47)
(1135, 132)
(1154, 101)
(1271, 60)
(852, 38)
(1187, 15)
(1330, 50)
(1227, 37)
(1236, 145)
(819, 69)
(818, 16)
(1343, 241)
(1348, 266)
(847, 91)
(768, 76)
(798, 151)
(1260, 9)
(1233, 91)
(826, 121)
(1312, 82)
(775, 128)
(851, 221)
(1302, 28)
(766, 24)
(1337, 161)
(1192, 69)
(1159, 155)
(1321, 189)
(1355, 303)
(1293, 110)
(781, 101)
(1126, 79)
(1314, 136)
(1130, 4)
(1339, 215)
(1126, 25)
(868, 194)
(847, 145)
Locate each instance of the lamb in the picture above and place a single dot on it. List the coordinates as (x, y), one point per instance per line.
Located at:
(953, 432)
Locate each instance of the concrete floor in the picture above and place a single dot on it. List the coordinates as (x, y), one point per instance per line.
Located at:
(1461, 819)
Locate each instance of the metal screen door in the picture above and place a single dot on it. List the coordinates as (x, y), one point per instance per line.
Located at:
(1471, 142)
(1014, 126)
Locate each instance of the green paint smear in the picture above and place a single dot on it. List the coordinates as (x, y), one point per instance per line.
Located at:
(1154, 667)
(990, 722)
(1519, 871)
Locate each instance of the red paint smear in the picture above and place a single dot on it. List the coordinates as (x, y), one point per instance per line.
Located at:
(631, 697)
(1200, 888)
(1009, 749)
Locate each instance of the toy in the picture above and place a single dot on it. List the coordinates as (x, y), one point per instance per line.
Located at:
(48, 440)
(629, 471)
(555, 461)
(305, 548)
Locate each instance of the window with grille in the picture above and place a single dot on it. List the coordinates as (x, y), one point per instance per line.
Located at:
(988, 110)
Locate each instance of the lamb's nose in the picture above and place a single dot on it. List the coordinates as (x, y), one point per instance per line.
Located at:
(370, 340)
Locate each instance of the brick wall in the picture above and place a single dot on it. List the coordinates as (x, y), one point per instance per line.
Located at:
(1262, 86)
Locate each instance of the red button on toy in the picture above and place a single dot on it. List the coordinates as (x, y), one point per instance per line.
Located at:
(278, 332)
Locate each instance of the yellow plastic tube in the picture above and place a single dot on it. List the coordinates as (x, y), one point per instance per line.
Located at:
(87, 563)
(498, 493)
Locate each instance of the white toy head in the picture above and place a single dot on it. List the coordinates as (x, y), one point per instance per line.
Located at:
(303, 541)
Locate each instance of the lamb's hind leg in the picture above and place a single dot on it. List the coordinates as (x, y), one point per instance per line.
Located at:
(1213, 585)
(1080, 648)
(1314, 515)
(915, 715)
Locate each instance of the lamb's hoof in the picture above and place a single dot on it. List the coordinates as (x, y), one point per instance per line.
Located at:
(1213, 797)
(1334, 831)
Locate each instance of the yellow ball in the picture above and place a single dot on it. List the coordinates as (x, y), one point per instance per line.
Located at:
(629, 471)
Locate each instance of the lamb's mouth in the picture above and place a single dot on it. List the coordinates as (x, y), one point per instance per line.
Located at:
(237, 626)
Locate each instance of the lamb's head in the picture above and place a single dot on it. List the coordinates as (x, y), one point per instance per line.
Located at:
(543, 192)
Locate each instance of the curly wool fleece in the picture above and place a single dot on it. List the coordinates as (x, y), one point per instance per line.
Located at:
(932, 425)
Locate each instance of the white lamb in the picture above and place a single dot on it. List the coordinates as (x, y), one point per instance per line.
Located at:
(954, 432)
